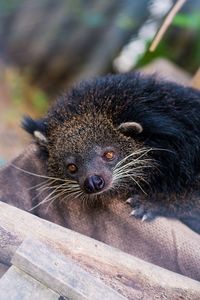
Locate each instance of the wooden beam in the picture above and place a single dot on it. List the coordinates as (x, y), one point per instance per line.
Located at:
(60, 273)
(133, 277)
(17, 285)
(3, 269)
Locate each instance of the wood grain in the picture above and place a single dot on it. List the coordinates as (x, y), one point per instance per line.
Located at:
(132, 277)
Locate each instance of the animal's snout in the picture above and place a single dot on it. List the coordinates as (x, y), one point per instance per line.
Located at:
(94, 184)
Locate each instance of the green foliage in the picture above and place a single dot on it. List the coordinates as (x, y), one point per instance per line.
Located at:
(40, 101)
(180, 44)
(161, 51)
(23, 95)
(187, 21)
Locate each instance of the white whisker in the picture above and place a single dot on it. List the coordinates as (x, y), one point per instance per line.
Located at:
(39, 184)
(133, 166)
(52, 199)
(42, 176)
(142, 151)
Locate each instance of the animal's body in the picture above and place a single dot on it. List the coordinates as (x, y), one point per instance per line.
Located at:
(125, 135)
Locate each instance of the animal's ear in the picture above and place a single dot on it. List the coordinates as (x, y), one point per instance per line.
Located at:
(37, 128)
(129, 128)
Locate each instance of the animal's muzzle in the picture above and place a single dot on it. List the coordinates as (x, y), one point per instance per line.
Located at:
(94, 184)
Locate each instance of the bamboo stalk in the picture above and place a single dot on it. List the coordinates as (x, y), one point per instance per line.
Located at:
(167, 21)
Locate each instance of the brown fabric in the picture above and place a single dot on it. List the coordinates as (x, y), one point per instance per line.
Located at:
(167, 243)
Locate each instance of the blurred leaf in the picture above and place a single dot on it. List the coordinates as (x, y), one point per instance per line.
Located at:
(24, 96)
(16, 85)
(40, 101)
(161, 51)
(189, 21)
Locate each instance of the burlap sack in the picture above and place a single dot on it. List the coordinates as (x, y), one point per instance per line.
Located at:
(167, 243)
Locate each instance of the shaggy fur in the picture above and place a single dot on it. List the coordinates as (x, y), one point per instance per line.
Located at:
(169, 114)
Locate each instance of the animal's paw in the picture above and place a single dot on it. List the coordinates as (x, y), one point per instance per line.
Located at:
(143, 211)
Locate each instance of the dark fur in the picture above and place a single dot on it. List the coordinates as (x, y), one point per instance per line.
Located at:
(170, 117)
(31, 125)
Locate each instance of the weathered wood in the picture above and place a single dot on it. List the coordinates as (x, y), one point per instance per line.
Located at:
(60, 273)
(17, 285)
(3, 269)
(133, 277)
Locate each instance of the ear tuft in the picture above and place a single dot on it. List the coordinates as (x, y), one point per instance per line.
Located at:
(40, 136)
(130, 127)
(31, 125)
(37, 128)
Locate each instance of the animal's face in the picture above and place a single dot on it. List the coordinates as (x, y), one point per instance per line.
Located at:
(93, 156)
(93, 170)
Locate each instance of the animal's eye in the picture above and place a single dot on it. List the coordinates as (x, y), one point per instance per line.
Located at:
(109, 155)
(72, 168)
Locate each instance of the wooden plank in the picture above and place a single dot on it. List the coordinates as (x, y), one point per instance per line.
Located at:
(128, 274)
(17, 285)
(3, 269)
(60, 273)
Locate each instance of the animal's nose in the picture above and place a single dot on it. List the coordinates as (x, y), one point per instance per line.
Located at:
(94, 184)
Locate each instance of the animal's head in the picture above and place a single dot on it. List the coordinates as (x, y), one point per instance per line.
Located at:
(94, 156)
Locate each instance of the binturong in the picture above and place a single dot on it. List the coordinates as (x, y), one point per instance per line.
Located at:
(130, 136)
